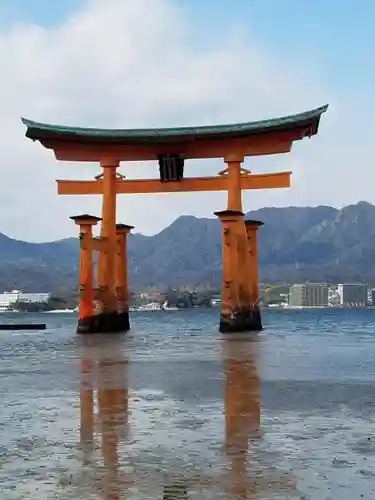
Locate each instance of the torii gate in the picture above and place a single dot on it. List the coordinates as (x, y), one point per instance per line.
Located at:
(171, 147)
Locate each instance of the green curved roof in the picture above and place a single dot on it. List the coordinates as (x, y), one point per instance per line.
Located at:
(40, 131)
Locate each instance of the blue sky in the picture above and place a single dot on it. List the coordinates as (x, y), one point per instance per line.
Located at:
(43, 12)
(336, 35)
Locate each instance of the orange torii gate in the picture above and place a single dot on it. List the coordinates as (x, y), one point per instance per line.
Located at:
(171, 147)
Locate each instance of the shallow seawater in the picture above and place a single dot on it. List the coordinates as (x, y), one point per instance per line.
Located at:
(175, 410)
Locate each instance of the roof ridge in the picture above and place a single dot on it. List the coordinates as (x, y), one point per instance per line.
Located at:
(36, 128)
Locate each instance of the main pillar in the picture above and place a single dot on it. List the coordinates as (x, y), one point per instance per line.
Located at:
(121, 276)
(252, 227)
(234, 182)
(235, 315)
(107, 317)
(238, 312)
(85, 301)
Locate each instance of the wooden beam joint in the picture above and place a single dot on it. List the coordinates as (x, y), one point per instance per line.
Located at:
(118, 176)
(243, 171)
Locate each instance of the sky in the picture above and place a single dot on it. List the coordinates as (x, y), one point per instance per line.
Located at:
(156, 63)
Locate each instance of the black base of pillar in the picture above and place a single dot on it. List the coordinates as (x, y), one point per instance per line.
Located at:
(123, 321)
(104, 323)
(249, 320)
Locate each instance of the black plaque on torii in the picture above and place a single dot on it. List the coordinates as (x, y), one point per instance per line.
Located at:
(171, 167)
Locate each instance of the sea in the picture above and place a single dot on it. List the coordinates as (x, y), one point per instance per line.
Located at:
(175, 410)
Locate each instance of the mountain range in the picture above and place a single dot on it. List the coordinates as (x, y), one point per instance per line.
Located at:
(296, 244)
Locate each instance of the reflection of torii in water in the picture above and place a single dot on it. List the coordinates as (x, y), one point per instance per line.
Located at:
(242, 401)
(242, 418)
(242, 406)
(103, 365)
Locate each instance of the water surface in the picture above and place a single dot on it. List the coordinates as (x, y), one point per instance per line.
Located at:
(174, 408)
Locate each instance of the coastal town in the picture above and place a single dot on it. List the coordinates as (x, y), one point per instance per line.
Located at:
(321, 295)
(281, 296)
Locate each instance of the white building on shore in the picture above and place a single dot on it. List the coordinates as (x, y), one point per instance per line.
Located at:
(308, 295)
(9, 298)
(352, 294)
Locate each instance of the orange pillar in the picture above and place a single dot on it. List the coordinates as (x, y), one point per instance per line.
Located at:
(234, 182)
(234, 162)
(121, 275)
(238, 316)
(229, 289)
(85, 301)
(236, 312)
(107, 320)
(252, 227)
(243, 288)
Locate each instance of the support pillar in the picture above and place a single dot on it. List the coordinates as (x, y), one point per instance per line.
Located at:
(121, 276)
(85, 301)
(237, 314)
(107, 317)
(252, 227)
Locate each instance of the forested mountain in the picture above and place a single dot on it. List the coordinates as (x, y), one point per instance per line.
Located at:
(295, 244)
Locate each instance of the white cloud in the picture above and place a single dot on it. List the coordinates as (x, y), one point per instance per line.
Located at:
(133, 63)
